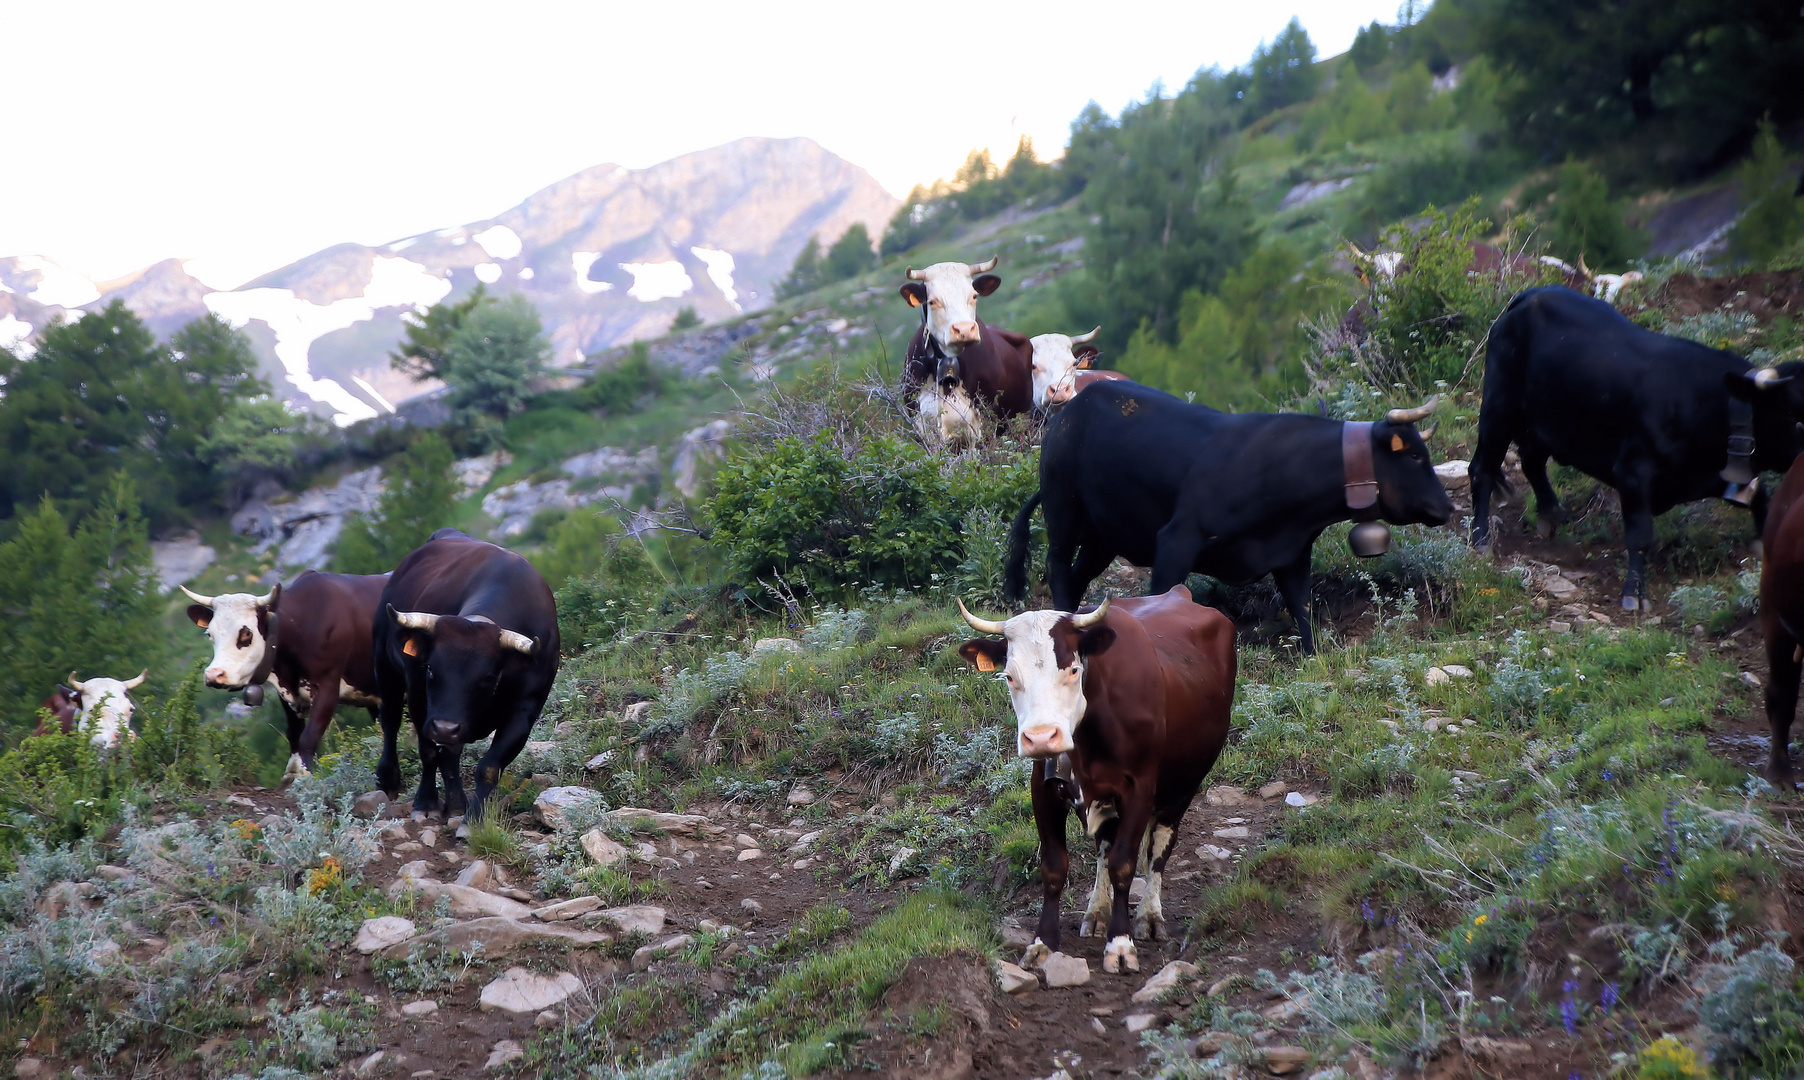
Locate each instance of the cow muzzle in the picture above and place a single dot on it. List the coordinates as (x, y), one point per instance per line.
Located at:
(216, 678)
(445, 732)
(963, 333)
(1044, 741)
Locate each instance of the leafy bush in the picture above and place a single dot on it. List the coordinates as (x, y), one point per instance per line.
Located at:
(417, 503)
(1774, 217)
(1753, 1007)
(1440, 170)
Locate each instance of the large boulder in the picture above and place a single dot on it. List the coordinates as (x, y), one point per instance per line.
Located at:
(466, 903)
(552, 803)
(496, 936)
(521, 991)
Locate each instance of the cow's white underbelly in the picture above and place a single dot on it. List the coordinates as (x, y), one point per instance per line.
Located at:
(302, 699)
(948, 418)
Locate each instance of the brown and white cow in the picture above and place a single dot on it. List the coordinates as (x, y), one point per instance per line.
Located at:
(1124, 710)
(958, 367)
(312, 642)
(106, 708)
(63, 707)
(1062, 367)
(1782, 616)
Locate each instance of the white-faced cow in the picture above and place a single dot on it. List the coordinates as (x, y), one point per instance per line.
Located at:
(312, 642)
(467, 638)
(1062, 367)
(1123, 710)
(959, 367)
(106, 708)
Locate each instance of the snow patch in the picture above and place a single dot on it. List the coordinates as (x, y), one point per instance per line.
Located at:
(657, 281)
(488, 273)
(499, 241)
(57, 286)
(375, 394)
(580, 261)
(452, 231)
(526, 273)
(14, 334)
(297, 323)
(720, 271)
(403, 245)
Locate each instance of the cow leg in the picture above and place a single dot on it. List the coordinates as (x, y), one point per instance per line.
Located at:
(1782, 670)
(426, 801)
(1180, 542)
(1638, 532)
(1118, 956)
(393, 688)
(1549, 514)
(1293, 585)
(1055, 860)
(297, 765)
(1101, 820)
(319, 717)
(1758, 507)
(1092, 559)
(510, 739)
(1149, 919)
(1061, 553)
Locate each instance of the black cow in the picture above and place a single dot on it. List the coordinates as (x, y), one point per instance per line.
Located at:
(1571, 378)
(466, 635)
(1127, 470)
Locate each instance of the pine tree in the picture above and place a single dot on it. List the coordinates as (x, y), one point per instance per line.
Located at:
(491, 361)
(805, 275)
(419, 500)
(1774, 217)
(425, 337)
(850, 255)
(1283, 72)
(1586, 224)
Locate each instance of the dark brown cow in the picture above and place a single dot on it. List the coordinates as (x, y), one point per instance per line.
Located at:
(64, 706)
(1782, 616)
(958, 367)
(467, 637)
(1124, 710)
(313, 640)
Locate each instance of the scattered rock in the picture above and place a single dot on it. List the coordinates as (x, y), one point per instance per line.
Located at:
(498, 936)
(1560, 588)
(801, 864)
(103, 952)
(547, 1019)
(369, 804)
(567, 909)
(1751, 679)
(598, 760)
(507, 1049)
(751, 907)
(749, 854)
(776, 644)
(1299, 799)
(1233, 832)
(419, 868)
(1015, 980)
(1392, 726)
(1436, 677)
(1138, 1022)
(111, 873)
(1458, 671)
(478, 875)
(27, 1067)
(1452, 472)
(417, 1009)
(1284, 1060)
(805, 841)
(900, 858)
(368, 1064)
(646, 955)
(1432, 724)
(1210, 851)
(1226, 795)
(466, 902)
(1273, 789)
(636, 714)
(800, 796)
(382, 932)
(744, 841)
(693, 826)
(429, 837)
(552, 803)
(1014, 936)
(697, 446)
(1064, 971)
(601, 848)
(1559, 627)
(635, 918)
(1169, 976)
(522, 991)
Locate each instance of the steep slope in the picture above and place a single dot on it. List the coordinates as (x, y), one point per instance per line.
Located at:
(608, 255)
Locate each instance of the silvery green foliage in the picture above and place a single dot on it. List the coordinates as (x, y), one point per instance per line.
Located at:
(344, 779)
(1518, 687)
(1335, 999)
(899, 735)
(1714, 328)
(836, 628)
(307, 838)
(962, 759)
(1696, 603)
(1013, 772)
(39, 867)
(691, 690)
(297, 914)
(302, 1034)
(271, 1072)
(181, 974)
(1657, 953)
(1748, 1000)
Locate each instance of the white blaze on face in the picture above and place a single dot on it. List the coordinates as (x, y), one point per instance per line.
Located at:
(1048, 700)
(951, 305)
(1055, 369)
(238, 644)
(106, 711)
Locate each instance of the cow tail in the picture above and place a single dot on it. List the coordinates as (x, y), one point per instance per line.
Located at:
(1014, 574)
(1503, 385)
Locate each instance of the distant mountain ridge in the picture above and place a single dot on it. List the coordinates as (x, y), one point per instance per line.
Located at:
(608, 256)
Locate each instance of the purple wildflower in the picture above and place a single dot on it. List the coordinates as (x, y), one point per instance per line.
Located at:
(1569, 1016)
(1611, 995)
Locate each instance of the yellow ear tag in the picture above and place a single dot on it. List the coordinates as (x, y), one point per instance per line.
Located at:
(984, 663)
(1396, 442)
(202, 623)
(412, 647)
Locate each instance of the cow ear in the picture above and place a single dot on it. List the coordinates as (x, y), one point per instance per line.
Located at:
(1096, 640)
(985, 284)
(201, 614)
(66, 692)
(985, 654)
(915, 293)
(1086, 356)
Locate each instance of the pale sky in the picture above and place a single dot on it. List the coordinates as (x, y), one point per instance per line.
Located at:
(244, 135)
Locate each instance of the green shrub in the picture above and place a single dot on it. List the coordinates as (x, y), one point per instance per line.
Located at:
(1774, 217)
(56, 789)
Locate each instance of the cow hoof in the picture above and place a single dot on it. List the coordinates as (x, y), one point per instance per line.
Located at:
(1120, 957)
(1149, 928)
(1093, 924)
(1035, 955)
(296, 768)
(1629, 603)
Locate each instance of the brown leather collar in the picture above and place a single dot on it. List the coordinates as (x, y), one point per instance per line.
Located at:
(1356, 463)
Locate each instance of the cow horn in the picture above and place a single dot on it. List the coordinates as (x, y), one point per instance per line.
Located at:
(519, 642)
(1427, 433)
(1767, 376)
(1583, 269)
(269, 597)
(916, 275)
(984, 267)
(1085, 339)
(75, 684)
(133, 684)
(1411, 416)
(982, 626)
(1083, 621)
(415, 620)
(203, 601)
(1354, 248)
